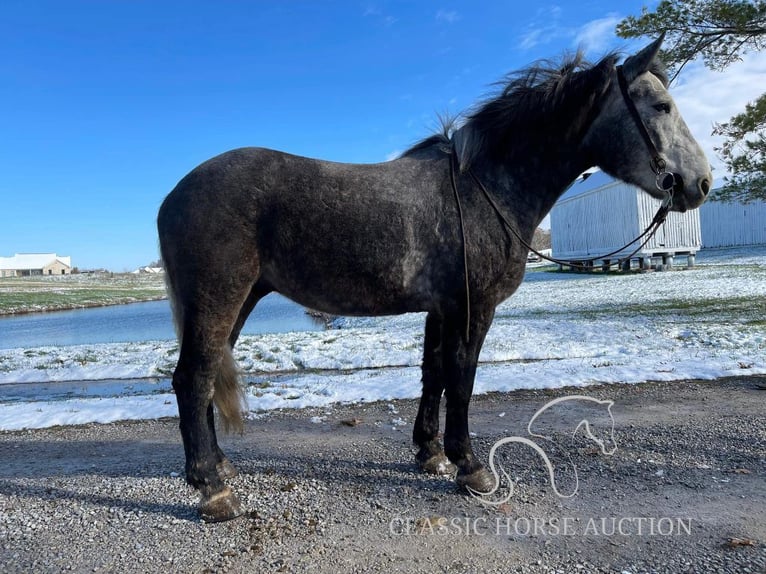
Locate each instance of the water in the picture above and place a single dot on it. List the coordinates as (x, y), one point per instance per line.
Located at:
(64, 390)
(136, 322)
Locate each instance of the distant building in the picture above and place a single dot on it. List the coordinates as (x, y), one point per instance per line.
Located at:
(149, 270)
(35, 264)
(728, 224)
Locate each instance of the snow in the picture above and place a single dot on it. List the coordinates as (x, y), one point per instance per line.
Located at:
(559, 329)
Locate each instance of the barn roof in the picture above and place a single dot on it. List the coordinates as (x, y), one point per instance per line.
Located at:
(32, 260)
(588, 181)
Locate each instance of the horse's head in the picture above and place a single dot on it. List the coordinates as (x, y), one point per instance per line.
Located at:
(599, 427)
(640, 137)
(601, 432)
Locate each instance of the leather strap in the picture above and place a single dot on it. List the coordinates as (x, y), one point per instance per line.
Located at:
(658, 164)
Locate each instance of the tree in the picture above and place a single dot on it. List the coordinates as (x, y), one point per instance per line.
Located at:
(541, 239)
(720, 32)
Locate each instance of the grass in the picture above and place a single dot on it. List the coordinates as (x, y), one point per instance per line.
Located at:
(740, 307)
(34, 294)
(745, 310)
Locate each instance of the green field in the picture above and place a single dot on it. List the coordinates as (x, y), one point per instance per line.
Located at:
(36, 294)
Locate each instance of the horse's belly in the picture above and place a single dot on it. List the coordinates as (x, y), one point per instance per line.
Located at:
(357, 294)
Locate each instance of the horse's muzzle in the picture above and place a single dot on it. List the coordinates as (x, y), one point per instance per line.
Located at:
(689, 198)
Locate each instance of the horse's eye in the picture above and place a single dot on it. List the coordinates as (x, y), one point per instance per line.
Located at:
(663, 107)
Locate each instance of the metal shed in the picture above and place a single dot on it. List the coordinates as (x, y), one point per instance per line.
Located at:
(599, 214)
(726, 224)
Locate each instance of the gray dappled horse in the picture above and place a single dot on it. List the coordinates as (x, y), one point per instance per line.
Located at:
(414, 234)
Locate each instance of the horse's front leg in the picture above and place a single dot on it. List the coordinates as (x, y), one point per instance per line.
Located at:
(430, 456)
(459, 370)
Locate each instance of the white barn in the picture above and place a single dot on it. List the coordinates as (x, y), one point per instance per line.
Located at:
(599, 214)
(35, 264)
(733, 223)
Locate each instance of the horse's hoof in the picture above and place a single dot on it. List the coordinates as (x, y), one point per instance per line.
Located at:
(225, 469)
(438, 464)
(221, 506)
(480, 481)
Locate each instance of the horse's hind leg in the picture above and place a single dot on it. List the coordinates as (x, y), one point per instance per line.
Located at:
(430, 456)
(208, 311)
(223, 466)
(258, 292)
(194, 384)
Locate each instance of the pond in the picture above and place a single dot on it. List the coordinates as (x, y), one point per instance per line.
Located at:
(137, 322)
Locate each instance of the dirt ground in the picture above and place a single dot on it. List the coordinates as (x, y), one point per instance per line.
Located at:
(336, 490)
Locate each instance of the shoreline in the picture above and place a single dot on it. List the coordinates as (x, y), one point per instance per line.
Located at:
(76, 307)
(44, 294)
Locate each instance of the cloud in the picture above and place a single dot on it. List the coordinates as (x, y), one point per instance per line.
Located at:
(393, 155)
(598, 35)
(705, 97)
(594, 36)
(545, 29)
(448, 16)
(372, 11)
(531, 39)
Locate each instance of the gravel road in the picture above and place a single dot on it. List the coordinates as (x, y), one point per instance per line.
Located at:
(685, 491)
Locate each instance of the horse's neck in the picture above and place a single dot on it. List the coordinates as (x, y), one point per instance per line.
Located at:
(528, 188)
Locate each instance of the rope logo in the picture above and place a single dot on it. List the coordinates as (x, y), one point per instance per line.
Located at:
(602, 436)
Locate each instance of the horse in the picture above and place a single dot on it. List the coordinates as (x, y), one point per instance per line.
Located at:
(603, 437)
(426, 232)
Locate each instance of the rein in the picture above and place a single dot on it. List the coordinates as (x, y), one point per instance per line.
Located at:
(664, 180)
(452, 170)
(646, 235)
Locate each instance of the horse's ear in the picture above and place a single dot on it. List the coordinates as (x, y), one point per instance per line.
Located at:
(636, 65)
(465, 144)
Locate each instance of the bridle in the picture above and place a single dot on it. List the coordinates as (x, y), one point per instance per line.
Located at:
(664, 180)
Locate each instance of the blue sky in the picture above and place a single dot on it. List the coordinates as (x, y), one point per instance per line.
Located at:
(107, 104)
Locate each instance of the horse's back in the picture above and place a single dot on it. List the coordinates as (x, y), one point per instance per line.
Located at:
(257, 175)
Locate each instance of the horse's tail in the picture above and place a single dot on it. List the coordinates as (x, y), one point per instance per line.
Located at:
(175, 308)
(228, 394)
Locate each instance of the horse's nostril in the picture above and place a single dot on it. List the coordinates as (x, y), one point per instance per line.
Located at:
(704, 186)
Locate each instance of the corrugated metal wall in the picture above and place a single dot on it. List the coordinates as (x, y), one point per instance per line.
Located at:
(594, 222)
(601, 220)
(681, 232)
(729, 224)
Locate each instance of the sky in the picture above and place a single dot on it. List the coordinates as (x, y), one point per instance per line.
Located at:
(106, 105)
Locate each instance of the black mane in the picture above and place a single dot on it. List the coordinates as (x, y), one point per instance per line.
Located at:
(547, 99)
